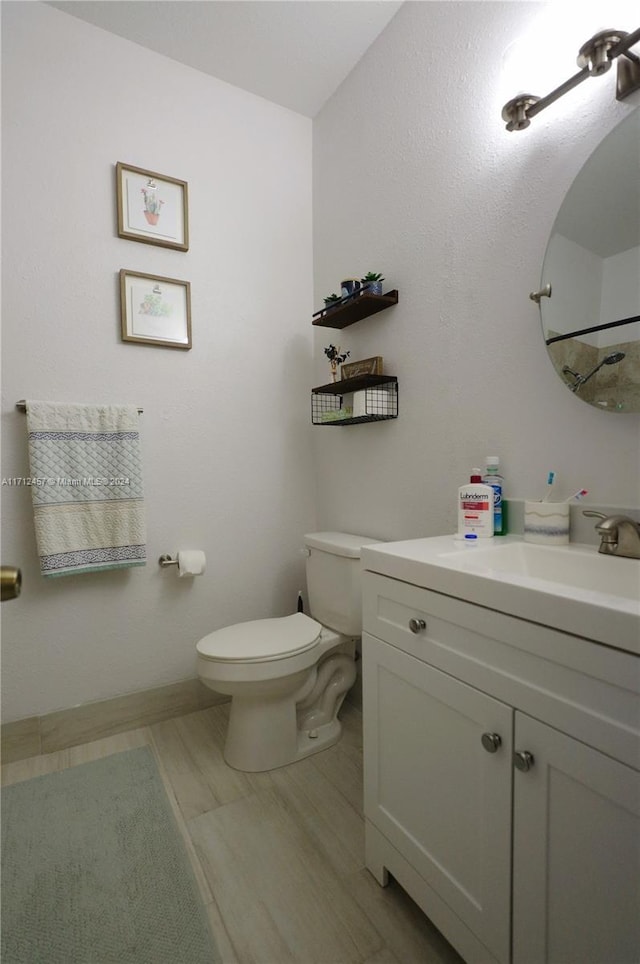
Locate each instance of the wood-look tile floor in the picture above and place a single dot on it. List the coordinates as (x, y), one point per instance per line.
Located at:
(279, 856)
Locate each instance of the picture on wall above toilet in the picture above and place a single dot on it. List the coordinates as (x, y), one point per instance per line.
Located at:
(155, 310)
(152, 208)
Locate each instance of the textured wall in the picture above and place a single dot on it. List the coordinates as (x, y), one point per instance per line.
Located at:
(226, 440)
(415, 176)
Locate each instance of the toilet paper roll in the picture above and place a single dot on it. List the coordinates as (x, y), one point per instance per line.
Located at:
(191, 562)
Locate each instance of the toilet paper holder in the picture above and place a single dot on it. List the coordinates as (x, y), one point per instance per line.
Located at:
(188, 562)
(166, 560)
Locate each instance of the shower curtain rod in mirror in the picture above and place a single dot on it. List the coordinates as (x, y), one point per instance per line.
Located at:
(594, 328)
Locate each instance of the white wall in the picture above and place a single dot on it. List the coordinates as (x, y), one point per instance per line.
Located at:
(415, 176)
(589, 290)
(621, 294)
(576, 289)
(226, 438)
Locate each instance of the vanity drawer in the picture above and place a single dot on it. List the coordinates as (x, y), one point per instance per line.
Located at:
(589, 691)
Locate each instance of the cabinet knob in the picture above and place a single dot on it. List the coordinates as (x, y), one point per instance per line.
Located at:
(417, 625)
(523, 760)
(491, 742)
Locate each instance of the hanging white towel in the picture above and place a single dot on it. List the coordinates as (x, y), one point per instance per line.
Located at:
(87, 487)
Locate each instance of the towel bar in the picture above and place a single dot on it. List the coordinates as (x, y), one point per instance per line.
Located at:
(22, 406)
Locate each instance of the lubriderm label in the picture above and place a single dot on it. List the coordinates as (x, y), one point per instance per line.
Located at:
(474, 500)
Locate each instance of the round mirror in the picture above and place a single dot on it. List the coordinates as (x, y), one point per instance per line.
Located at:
(590, 290)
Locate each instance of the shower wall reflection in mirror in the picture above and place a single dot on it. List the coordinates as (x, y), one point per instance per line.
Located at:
(591, 321)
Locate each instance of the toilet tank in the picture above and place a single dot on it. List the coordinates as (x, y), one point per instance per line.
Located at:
(334, 579)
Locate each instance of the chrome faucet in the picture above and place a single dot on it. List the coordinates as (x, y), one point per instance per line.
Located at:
(619, 535)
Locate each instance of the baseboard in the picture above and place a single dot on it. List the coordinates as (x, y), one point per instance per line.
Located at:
(92, 721)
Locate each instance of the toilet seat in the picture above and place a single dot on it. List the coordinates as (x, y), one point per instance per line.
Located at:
(261, 640)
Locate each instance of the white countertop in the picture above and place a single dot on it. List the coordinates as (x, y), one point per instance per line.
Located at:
(548, 591)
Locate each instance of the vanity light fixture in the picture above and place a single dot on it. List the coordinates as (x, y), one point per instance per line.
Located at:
(594, 58)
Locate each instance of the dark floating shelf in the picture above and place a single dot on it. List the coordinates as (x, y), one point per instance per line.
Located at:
(354, 308)
(347, 385)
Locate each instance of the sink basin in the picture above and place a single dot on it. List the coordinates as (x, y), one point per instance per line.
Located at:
(579, 567)
(573, 588)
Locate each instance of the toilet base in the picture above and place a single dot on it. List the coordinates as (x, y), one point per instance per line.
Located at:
(262, 737)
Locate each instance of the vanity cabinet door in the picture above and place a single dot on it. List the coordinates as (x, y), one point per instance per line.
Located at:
(435, 792)
(576, 897)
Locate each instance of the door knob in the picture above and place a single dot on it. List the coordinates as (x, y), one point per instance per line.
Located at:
(417, 625)
(10, 583)
(523, 760)
(491, 742)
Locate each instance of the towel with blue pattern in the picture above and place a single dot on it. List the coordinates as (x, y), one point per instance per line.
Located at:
(86, 481)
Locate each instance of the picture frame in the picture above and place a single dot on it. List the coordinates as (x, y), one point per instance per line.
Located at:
(155, 310)
(152, 208)
(367, 366)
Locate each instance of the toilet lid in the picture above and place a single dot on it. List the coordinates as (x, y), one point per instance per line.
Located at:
(261, 639)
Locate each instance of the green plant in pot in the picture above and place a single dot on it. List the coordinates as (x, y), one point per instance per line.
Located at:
(332, 301)
(336, 357)
(372, 283)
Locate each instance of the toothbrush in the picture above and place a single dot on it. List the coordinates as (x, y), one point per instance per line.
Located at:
(578, 495)
(550, 479)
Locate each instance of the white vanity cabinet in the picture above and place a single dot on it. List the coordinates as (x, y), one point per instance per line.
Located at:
(532, 865)
(435, 794)
(576, 856)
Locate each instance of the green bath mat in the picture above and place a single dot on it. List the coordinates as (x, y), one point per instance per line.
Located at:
(94, 870)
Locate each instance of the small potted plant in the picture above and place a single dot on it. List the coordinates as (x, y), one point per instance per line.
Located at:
(372, 283)
(336, 357)
(332, 301)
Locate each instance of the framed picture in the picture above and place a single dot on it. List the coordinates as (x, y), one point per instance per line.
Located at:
(155, 310)
(152, 208)
(368, 366)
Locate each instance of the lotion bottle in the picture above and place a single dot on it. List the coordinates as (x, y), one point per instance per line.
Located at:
(475, 508)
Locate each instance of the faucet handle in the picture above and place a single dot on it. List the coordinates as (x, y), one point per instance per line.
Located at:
(607, 530)
(619, 535)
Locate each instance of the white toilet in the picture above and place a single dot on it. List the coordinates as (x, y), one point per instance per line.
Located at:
(287, 677)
